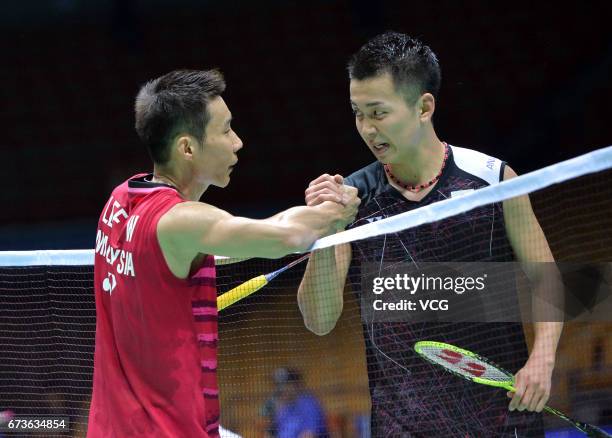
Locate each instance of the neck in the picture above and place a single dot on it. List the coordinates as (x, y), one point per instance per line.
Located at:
(183, 182)
(421, 162)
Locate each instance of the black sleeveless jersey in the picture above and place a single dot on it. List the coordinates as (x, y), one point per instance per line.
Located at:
(411, 398)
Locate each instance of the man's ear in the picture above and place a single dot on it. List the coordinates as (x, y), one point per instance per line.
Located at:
(184, 145)
(426, 107)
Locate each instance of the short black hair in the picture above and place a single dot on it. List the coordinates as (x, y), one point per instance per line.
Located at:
(413, 66)
(173, 104)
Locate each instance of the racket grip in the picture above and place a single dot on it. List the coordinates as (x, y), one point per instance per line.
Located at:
(242, 291)
(588, 429)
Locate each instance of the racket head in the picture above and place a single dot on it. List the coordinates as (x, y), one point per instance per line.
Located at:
(465, 364)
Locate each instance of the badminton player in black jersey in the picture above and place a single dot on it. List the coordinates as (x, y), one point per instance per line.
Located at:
(394, 81)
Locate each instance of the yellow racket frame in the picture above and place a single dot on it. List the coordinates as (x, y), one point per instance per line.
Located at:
(509, 385)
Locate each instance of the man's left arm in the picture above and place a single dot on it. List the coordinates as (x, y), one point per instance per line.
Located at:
(533, 381)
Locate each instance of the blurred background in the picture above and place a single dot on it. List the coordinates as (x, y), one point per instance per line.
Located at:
(528, 83)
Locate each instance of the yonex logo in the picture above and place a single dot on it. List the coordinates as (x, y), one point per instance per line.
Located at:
(490, 163)
(109, 283)
(474, 369)
(456, 358)
(450, 356)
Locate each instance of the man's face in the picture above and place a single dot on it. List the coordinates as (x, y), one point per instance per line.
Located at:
(388, 125)
(216, 158)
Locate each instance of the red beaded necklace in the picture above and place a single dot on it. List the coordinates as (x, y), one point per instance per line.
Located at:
(419, 187)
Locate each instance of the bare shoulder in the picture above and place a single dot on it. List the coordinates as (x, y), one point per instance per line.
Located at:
(187, 217)
(509, 173)
(516, 204)
(179, 231)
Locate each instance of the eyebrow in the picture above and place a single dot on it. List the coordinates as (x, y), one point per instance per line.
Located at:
(369, 104)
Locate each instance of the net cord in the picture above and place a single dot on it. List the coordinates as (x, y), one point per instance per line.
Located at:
(591, 162)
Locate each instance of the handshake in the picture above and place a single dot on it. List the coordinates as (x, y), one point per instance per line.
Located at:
(343, 200)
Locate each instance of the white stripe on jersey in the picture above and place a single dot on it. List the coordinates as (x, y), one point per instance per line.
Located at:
(477, 164)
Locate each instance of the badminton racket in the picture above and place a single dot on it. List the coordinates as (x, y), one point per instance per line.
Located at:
(471, 366)
(253, 285)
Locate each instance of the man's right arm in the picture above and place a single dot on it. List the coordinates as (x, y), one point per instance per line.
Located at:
(191, 228)
(320, 295)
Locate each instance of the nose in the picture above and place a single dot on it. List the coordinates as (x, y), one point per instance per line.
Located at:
(237, 143)
(368, 129)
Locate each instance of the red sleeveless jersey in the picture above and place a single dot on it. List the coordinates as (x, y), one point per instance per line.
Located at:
(156, 335)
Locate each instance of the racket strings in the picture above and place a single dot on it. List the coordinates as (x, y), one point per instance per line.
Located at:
(465, 365)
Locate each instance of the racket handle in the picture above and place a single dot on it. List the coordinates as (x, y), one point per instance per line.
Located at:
(588, 429)
(242, 291)
(253, 285)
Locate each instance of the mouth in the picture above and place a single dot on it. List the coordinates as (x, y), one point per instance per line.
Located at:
(380, 148)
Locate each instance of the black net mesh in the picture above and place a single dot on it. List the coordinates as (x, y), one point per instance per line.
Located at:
(364, 373)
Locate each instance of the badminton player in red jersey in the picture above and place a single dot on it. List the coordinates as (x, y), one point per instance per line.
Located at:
(156, 334)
